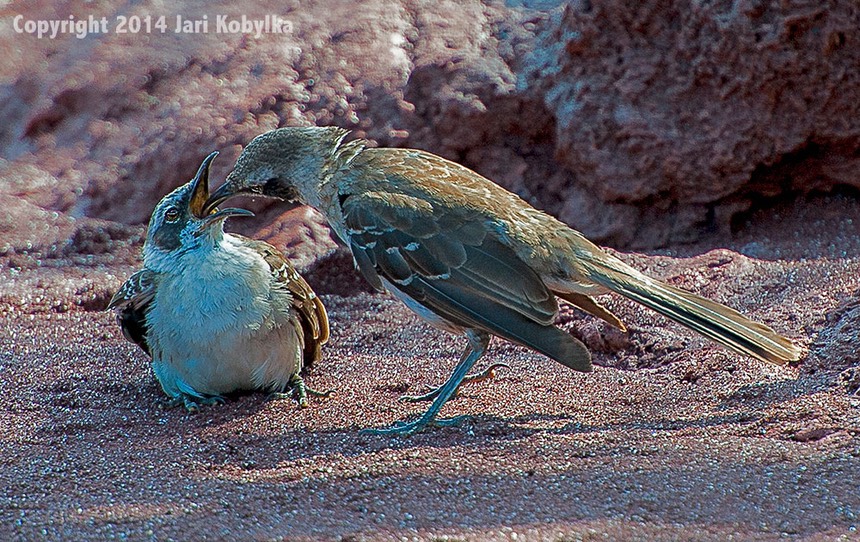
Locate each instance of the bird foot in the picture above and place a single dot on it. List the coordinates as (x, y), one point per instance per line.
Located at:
(486, 374)
(300, 392)
(405, 429)
(193, 404)
(478, 341)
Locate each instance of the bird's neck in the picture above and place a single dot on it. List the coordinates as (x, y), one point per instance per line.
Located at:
(329, 180)
(188, 254)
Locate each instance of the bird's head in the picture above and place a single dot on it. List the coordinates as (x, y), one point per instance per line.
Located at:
(285, 164)
(181, 221)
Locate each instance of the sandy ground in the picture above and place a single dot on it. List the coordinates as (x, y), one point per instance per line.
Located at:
(671, 438)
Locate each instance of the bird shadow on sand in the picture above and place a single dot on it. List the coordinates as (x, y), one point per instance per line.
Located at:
(485, 433)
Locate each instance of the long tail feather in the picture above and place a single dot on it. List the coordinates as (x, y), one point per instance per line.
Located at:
(713, 320)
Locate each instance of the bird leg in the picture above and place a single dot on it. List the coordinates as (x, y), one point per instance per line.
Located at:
(478, 342)
(486, 374)
(299, 391)
(192, 404)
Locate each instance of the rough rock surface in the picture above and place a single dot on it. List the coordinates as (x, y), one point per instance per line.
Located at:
(680, 115)
(718, 123)
(641, 126)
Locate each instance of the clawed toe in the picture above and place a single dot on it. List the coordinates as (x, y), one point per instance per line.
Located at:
(299, 391)
(486, 374)
(405, 429)
(193, 404)
(170, 403)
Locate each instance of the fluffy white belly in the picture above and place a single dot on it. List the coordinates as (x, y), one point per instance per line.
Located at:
(219, 326)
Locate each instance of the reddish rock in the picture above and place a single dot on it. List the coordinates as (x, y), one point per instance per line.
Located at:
(813, 434)
(640, 126)
(671, 118)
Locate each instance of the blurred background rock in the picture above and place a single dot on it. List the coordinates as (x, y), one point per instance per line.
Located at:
(642, 126)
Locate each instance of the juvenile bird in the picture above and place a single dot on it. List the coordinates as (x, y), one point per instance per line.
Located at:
(465, 254)
(218, 312)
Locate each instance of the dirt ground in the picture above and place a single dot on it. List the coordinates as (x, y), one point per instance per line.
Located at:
(671, 438)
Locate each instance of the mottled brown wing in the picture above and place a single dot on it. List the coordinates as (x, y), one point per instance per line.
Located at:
(453, 264)
(403, 236)
(133, 299)
(313, 319)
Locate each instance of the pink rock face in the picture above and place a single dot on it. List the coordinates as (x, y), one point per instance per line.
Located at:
(639, 126)
(674, 118)
(703, 129)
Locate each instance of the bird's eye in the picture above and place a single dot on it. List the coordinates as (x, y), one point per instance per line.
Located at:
(271, 185)
(171, 214)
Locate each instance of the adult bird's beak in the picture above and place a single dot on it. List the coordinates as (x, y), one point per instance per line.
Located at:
(217, 198)
(200, 189)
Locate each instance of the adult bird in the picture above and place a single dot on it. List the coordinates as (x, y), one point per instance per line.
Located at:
(218, 312)
(464, 253)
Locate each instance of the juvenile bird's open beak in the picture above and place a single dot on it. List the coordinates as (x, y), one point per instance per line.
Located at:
(204, 206)
(200, 189)
(222, 214)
